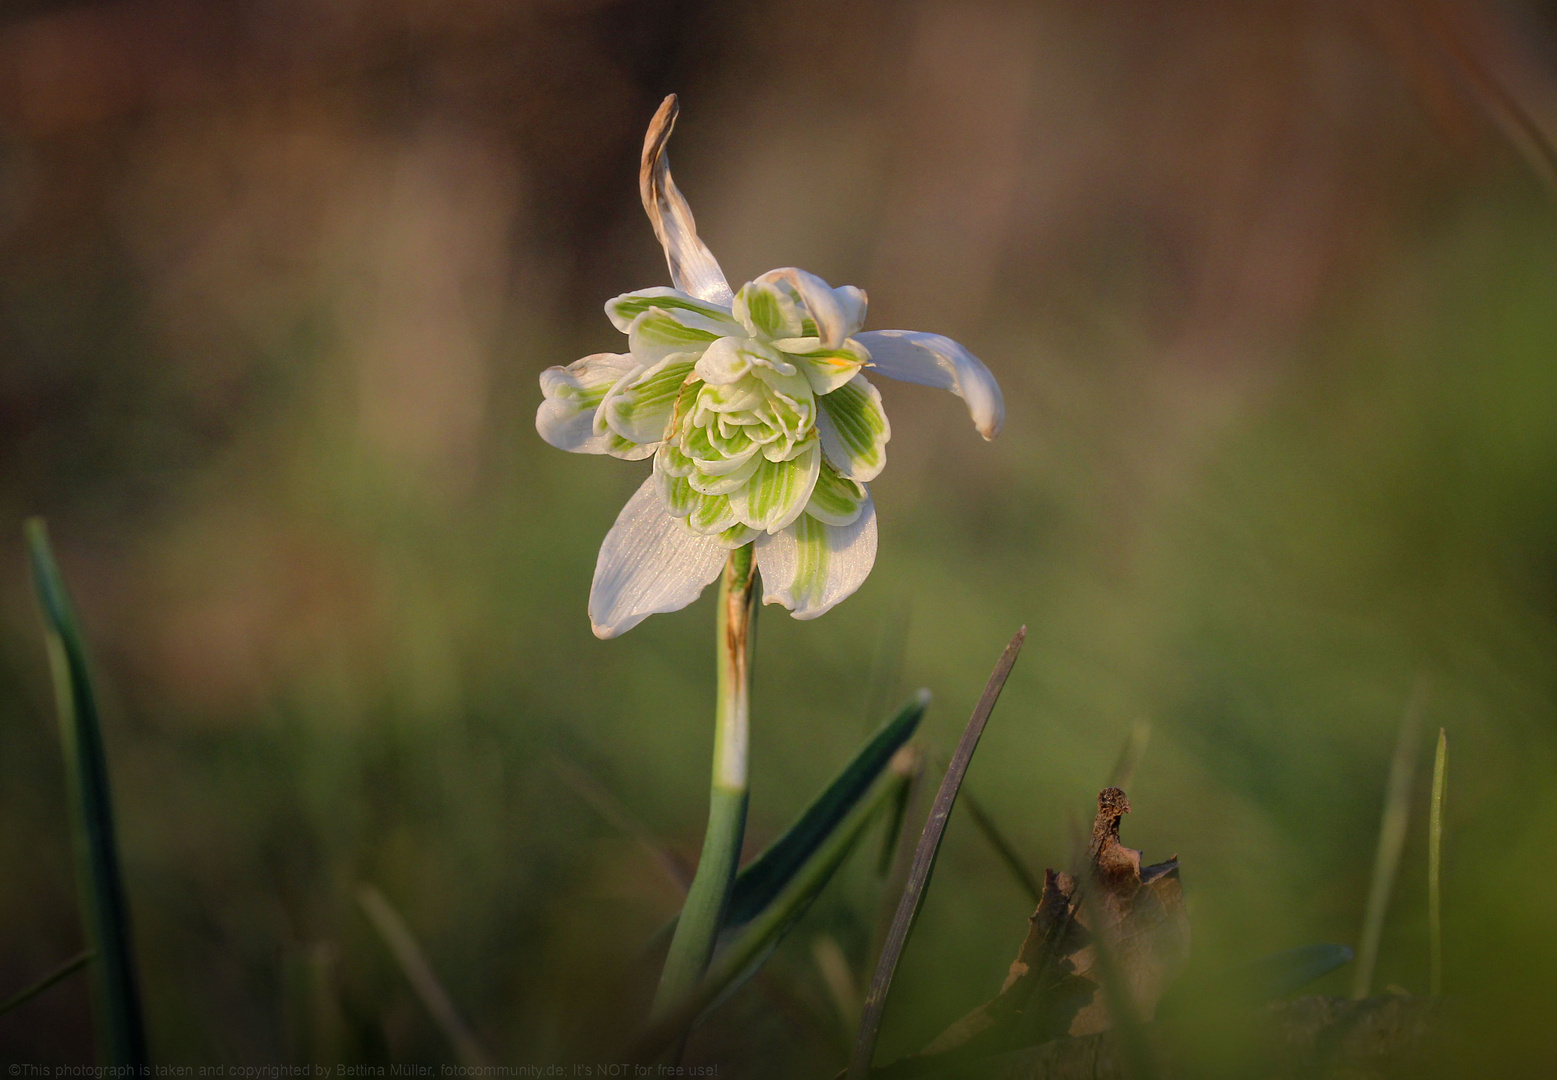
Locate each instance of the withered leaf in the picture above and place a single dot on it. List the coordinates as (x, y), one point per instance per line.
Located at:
(1055, 986)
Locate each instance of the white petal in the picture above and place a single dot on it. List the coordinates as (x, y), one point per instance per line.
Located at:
(684, 308)
(778, 491)
(811, 566)
(838, 313)
(650, 562)
(933, 360)
(854, 429)
(566, 419)
(693, 267)
(639, 409)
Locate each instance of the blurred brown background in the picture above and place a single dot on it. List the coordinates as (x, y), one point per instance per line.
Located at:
(1272, 293)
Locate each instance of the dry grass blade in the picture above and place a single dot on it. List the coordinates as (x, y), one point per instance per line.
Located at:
(1392, 838)
(59, 974)
(1435, 867)
(413, 962)
(610, 808)
(1003, 847)
(924, 863)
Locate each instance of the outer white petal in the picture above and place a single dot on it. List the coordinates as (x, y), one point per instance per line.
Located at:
(811, 566)
(682, 307)
(933, 360)
(693, 267)
(650, 562)
(838, 313)
(566, 419)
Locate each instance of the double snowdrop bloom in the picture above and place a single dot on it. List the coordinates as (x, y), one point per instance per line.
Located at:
(756, 410)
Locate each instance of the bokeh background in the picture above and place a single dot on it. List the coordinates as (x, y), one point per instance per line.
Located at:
(1272, 292)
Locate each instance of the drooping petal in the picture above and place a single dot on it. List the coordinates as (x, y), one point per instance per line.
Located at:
(838, 313)
(767, 311)
(693, 268)
(654, 335)
(836, 500)
(778, 491)
(933, 360)
(566, 419)
(811, 565)
(825, 369)
(650, 562)
(639, 408)
(854, 429)
(685, 309)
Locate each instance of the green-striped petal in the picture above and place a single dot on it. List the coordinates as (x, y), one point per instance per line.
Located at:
(687, 310)
(640, 409)
(778, 491)
(854, 429)
(655, 335)
(811, 566)
(767, 311)
(825, 369)
(566, 419)
(706, 514)
(836, 500)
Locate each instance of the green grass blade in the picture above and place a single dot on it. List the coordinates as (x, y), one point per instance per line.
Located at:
(751, 945)
(1435, 867)
(59, 974)
(407, 952)
(924, 862)
(610, 808)
(121, 1028)
(1392, 839)
(1003, 848)
(766, 876)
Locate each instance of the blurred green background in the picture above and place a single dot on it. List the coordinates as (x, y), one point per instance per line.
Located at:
(1272, 293)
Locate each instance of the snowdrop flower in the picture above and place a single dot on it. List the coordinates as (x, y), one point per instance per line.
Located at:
(756, 409)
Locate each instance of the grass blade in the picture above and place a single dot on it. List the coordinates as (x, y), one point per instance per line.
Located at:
(766, 875)
(997, 840)
(619, 817)
(924, 862)
(740, 959)
(59, 974)
(418, 972)
(1435, 867)
(116, 997)
(1392, 838)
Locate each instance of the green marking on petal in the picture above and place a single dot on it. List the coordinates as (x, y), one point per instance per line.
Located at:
(810, 562)
(778, 491)
(738, 535)
(825, 369)
(655, 334)
(641, 410)
(688, 310)
(856, 432)
(766, 310)
(836, 499)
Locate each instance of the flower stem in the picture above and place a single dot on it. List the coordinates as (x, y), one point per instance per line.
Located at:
(698, 928)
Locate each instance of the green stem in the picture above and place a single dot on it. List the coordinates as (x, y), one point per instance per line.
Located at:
(693, 944)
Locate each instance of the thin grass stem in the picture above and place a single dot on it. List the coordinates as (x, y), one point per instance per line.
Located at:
(1435, 867)
(1003, 848)
(408, 953)
(924, 863)
(59, 974)
(121, 1028)
(1392, 839)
